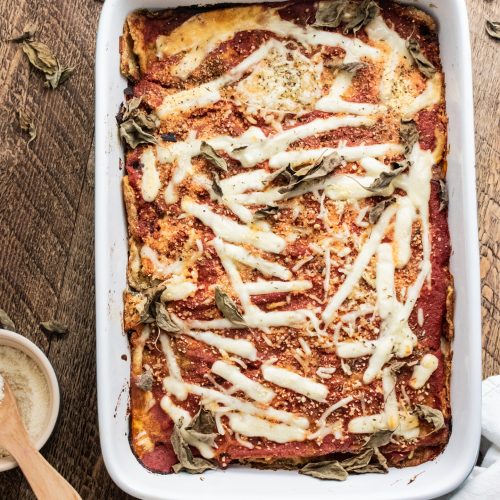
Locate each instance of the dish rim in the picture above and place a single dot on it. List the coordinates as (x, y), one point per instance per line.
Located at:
(103, 134)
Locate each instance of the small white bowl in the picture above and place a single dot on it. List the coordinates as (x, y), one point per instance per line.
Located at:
(11, 339)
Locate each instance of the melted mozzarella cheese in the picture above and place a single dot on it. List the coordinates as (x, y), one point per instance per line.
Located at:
(430, 96)
(349, 153)
(173, 367)
(232, 231)
(243, 406)
(251, 426)
(333, 102)
(264, 149)
(355, 349)
(263, 287)
(178, 288)
(422, 372)
(352, 187)
(240, 382)
(240, 347)
(266, 267)
(295, 382)
(359, 265)
(390, 399)
(202, 33)
(150, 181)
(161, 268)
(403, 231)
(385, 280)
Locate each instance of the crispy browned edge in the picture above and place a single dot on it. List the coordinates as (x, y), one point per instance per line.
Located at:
(133, 59)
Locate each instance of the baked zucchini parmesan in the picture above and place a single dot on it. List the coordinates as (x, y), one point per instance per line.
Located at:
(289, 301)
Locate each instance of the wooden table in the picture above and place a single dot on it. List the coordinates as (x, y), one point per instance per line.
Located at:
(46, 217)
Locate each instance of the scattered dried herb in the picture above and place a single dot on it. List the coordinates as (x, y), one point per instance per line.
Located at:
(28, 33)
(164, 320)
(41, 57)
(408, 135)
(239, 148)
(423, 64)
(209, 153)
(443, 195)
(385, 178)
(378, 439)
(352, 67)
(145, 380)
(330, 469)
(301, 181)
(54, 326)
(202, 427)
(353, 15)
(228, 308)
(187, 463)
(431, 415)
(493, 29)
(375, 212)
(6, 322)
(265, 212)
(396, 366)
(169, 137)
(135, 125)
(26, 125)
(216, 187)
(357, 464)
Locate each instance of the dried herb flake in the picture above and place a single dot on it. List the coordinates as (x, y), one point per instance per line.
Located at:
(54, 326)
(228, 308)
(443, 195)
(145, 380)
(209, 153)
(330, 469)
(26, 125)
(265, 212)
(5, 321)
(135, 125)
(493, 29)
(375, 212)
(423, 64)
(431, 415)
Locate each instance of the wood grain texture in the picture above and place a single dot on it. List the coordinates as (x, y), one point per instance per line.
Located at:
(46, 217)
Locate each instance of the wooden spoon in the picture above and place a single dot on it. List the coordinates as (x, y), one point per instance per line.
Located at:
(45, 481)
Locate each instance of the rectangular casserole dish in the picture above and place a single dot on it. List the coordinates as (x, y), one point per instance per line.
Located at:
(432, 478)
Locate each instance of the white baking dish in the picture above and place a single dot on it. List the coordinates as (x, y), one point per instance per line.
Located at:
(431, 479)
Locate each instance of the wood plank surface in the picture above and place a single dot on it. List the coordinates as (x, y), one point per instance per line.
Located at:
(46, 217)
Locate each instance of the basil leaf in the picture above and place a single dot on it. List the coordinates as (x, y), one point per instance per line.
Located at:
(28, 33)
(354, 15)
(385, 178)
(163, 319)
(331, 470)
(5, 322)
(268, 211)
(41, 57)
(145, 381)
(216, 187)
(381, 459)
(493, 29)
(408, 135)
(209, 153)
(135, 125)
(375, 212)
(378, 439)
(228, 308)
(53, 326)
(443, 195)
(423, 64)
(357, 461)
(187, 463)
(302, 180)
(365, 12)
(352, 67)
(431, 415)
(26, 125)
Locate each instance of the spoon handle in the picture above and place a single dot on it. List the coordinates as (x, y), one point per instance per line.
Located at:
(45, 481)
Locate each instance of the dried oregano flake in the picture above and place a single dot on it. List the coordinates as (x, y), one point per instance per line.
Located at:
(54, 326)
(26, 125)
(5, 321)
(214, 158)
